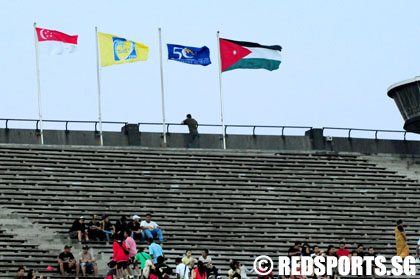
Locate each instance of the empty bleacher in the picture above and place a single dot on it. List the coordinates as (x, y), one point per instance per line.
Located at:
(238, 204)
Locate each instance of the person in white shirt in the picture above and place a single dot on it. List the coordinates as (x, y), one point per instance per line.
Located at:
(206, 260)
(150, 229)
(182, 271)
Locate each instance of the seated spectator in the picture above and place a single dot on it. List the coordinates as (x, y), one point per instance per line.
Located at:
(188, 260)
(95, 229)
(207, 261)
(200, 271)
(294, 250)
(87, 262)
(20, 273)
(305, 251)
(78, 230)
(342, 251)
(107, 228)
(134, 227)
(371, 253)
(316, 252)
(331, 253)
(67, 262)
(155, 250)
(182, 271)
(151, 229)
(120, 255)
(163, 270)
(32, 275)
(121, 226)
(112, 273)
(141, 258)
(235, 270)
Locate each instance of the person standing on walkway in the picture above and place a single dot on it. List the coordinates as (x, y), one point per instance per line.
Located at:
(193, 127)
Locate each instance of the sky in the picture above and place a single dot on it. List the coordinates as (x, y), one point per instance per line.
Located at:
(339, 58)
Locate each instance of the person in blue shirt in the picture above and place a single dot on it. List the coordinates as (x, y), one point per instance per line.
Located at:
(155, 250)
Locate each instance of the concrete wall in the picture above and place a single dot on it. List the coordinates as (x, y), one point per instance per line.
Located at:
(313, 140)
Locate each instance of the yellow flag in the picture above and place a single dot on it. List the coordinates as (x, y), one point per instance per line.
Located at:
(116, 50)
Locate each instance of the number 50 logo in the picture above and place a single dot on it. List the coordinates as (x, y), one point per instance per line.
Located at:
(183, 52)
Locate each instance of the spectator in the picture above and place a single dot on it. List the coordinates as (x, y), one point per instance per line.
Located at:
(163, 270)
(371, 253)
(235, 270)
(182, 270)
(134, 227)
(32, 275)
(305, 251)
(120, 226)
(200, 271)
(112, 273)
(294, 250)
(87, 262)
(151, 229)
(192, 127)
(342, 251)
(401, 240)
(20, 273)
(331, 253)
(131, 247)
(141, 258)
(67, 262)
(316, 252)
(361, 253)
(78, 230)
(206, 260)
(107, 228)
(155, 250)
(95, 229)
(189, 261)
(121, 256)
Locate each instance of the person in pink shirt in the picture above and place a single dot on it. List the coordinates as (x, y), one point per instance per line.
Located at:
(342, 251)
(131, 246)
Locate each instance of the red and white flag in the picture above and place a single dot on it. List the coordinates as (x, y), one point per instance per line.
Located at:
(56, 42)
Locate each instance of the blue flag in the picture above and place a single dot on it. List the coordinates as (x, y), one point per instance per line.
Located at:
(189, 55)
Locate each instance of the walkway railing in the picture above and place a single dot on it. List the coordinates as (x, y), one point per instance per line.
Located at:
(252, 128)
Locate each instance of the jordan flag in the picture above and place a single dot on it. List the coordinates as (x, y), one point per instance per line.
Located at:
(246, 55)
(55, 42)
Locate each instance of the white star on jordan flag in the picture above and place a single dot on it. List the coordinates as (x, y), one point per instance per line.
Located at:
(55, 42)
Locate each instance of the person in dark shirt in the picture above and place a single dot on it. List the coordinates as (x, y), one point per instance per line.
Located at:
(95, 229)
(67, 262)
(112, 273)
(78, 229)
(134, 227)
(193, 128)
(107, 227)
(295, 249)
(20, 273)
(163, 270)
(120, 227)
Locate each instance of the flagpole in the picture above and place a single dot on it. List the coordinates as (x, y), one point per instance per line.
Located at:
(99, 86)
(222, 109)
(162, 88)
(39, 84)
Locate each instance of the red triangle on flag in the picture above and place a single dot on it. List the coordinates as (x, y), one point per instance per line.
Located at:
(231, 53)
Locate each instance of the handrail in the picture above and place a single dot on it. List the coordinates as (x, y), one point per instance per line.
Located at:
(253, 127)
(376, 131)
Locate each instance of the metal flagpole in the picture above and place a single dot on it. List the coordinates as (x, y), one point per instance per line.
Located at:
(39, 84)
(99, 86)
(162, 88)
(221, 92)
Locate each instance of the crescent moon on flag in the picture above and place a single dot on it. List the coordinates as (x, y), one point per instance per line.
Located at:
(41, 34)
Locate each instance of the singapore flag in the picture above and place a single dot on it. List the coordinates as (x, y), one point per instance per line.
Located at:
(55, 42)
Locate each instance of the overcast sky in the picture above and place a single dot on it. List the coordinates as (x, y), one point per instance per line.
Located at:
(339, 57)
